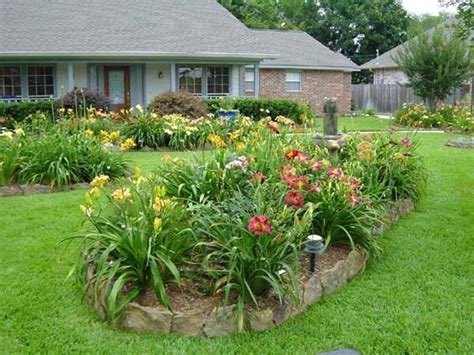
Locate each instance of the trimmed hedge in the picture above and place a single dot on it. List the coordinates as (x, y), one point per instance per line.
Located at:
(18, 111)
(257, 108)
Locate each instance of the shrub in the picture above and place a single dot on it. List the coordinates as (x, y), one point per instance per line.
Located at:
(19, 111)
(58, 159)
(179, 103)
(9, 160)
(79, 100)
(261, 108)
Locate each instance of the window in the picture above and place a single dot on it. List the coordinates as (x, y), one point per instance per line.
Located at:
(293, 81)
(190, 80)
(40, 81)
(249, 79)
(10, 82)
(218, 81)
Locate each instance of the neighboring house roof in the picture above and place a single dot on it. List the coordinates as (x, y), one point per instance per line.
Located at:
(385, 61)
(299, 50)
(124, 28)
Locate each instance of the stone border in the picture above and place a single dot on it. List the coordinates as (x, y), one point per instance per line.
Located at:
(221, 320)
(20, 190)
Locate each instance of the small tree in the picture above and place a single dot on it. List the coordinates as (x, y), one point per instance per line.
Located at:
(436, 64)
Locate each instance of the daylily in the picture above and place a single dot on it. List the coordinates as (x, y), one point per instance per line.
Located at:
(259, 224)
(299, 182)
(295, 199)
(320, 164)
(406, 142)
(335, 173)
(121, 195)
(100, 180)
(274, 127)
(316, 187)
(257, 178)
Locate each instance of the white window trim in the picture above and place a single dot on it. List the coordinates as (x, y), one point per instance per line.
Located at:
(294, 81)
(249, 70)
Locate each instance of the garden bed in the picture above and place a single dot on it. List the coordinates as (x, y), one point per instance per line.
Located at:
(16, 190)
(194, 313)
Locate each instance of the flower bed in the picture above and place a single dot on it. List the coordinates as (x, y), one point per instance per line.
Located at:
(233, 228)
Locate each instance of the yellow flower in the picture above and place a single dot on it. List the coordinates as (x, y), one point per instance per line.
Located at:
(114, 135)
(19, 132)
(240, 146)
(8, 135)
(334, 144)
(121, 195)
(100, 180)
(160, 204)
(104, 134)
(127, 145)
(166, 159)
(346, 138)
(399, 156)
(216, 140)
(139, 108)
(367, 154)
(89, 133)
(157, 224)
(365, 145)
(95, 192)
(234, 135)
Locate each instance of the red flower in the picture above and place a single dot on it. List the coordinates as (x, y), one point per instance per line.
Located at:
(320, 164)
(286, 169)
(406, 142)
(295, 198)
(297, 155)
(257, 178)
(299, 182)
(259, 224)
(354, 184)
(316, 187)
(335, 173)
(274, 127)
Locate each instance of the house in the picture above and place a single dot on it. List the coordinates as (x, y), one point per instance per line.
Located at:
(134, 50)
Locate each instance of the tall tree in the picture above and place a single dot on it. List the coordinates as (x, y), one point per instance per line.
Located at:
(465, 15)
(436, 64)
(423, 22)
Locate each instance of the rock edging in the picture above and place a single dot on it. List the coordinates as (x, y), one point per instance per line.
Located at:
(221, 320)
(19, 190)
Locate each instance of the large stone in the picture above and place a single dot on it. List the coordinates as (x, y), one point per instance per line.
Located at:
(147, 318)
(80, 186)
(221, 321)
(188, 323)
(261, 319)
(354, 263)
(283, 312)
(10, 191)
(334, 278)
(313, 291)
(35, 189)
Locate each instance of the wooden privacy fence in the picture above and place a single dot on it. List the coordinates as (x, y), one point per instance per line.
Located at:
(390, 97)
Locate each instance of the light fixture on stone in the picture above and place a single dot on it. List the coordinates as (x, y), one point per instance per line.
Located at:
(314, 246)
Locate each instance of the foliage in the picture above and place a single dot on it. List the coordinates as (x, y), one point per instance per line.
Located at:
(388, 167)
(136, 241)
(424, 22)
(436, 64)
(79, 100)
(456, 117)
(9, 160)
(58, 159)
(465, 16)
(19, 111)
(261, 108)
(178, 103)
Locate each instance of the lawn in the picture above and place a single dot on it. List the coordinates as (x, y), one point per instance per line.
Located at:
(417, 298)
(357, 123)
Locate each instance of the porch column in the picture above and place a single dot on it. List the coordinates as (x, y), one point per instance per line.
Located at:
(257, 80)
(173, 77)
(70, 77)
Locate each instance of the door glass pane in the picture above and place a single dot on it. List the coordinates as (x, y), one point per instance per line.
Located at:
(117, 87)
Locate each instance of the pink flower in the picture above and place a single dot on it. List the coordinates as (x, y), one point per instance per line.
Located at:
(257, 178)
(259, 224)
(299, 182)
(335, 173)
(297, 155)
(286, 169)
(316, 187)
(319, 165)
(295, 199)
(352, 197)
(406, 142)
(354, 184)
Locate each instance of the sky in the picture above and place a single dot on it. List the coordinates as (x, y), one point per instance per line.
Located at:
(419, 7)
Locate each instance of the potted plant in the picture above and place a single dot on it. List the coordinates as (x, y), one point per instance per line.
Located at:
(227, 108)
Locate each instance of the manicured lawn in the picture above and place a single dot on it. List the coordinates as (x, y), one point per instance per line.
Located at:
(355, 123)
(416, 299)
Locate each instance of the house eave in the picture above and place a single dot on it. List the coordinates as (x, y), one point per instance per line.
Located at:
(310, 67)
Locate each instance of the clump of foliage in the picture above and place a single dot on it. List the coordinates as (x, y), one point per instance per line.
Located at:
(79, 100)
(455, 117)
(436, 64)
(15, 112)
(178, 103)
(56, 159)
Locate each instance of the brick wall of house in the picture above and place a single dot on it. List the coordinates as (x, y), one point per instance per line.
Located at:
(315, 86)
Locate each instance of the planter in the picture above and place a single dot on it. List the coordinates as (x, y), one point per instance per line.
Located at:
(230, 114)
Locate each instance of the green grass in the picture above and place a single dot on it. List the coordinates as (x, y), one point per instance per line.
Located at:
(417, 298)
(356, 123)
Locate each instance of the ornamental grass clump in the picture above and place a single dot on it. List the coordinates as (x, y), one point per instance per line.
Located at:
(136, 238)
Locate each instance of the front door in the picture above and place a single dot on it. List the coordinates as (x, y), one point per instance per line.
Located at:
(117, 87)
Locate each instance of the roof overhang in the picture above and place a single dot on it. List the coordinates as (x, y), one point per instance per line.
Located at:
(136, 55)
(310, 67)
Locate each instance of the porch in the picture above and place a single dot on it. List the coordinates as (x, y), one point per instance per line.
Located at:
(127, 84)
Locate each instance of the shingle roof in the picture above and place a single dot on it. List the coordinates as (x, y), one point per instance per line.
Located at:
(386, 59)
(299, 49)
(149, 28)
